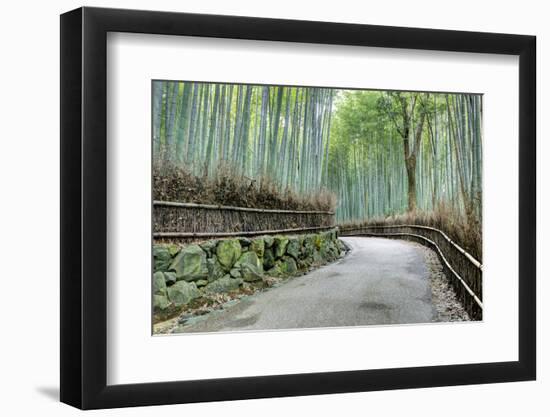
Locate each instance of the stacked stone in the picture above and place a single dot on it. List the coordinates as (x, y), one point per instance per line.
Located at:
(185, 273)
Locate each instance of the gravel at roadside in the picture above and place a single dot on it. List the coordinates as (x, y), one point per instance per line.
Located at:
(446, 303)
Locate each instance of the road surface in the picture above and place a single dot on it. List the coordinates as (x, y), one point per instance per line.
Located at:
(380, 281)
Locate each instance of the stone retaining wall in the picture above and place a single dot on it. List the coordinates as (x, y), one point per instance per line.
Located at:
(184, 273)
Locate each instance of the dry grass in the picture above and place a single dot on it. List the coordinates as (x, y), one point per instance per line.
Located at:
(229, 187)
(464, 230)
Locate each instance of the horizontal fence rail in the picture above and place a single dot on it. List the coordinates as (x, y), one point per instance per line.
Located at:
(238, 234)
(462, 268)
(232, 208)
(172, 220)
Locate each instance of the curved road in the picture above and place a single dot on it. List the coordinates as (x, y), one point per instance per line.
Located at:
(381, 281)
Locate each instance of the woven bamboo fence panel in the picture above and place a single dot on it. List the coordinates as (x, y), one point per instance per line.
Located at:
(462, 268)
(187, 220)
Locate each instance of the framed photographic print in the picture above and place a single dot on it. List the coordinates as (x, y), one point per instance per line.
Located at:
(257, 207)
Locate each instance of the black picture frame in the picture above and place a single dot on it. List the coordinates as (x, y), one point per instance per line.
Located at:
(84, 207)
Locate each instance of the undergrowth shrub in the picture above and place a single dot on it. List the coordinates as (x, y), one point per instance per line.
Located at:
(226, 186)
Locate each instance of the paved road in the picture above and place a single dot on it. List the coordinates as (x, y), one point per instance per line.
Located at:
(381, 281)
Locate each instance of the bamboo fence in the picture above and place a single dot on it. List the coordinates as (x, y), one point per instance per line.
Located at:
(192, 221)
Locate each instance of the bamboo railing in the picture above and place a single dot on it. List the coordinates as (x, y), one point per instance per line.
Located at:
(464, 271)
(188, 221)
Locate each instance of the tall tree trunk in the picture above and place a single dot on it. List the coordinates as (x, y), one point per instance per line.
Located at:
(212, 130)
(158, 92)
(171, 117)
(183, 122)
(190, 145)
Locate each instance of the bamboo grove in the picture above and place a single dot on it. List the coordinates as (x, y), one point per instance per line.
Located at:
(381, 153)
(279, 132)
(393, 152)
